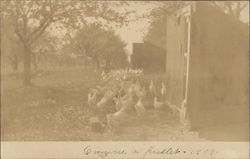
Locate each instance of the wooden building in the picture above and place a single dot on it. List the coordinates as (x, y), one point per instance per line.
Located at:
(148, 57)
(207, 64)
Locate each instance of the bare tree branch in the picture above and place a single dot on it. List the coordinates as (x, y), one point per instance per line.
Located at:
(39, 31)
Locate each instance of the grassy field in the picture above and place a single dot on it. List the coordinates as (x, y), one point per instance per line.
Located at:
(55, 109)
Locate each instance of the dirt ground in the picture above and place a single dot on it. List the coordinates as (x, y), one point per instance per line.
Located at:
(55, 109)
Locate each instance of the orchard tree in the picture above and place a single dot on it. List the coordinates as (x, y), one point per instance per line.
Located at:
(96, 42)
(43, 49)
(112, 50)
(11, 48)
(32, 18)
(85, 42)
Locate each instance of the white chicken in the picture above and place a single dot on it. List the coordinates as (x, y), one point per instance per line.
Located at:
(173, 107)
(137, 86)
(102, 103)
(157, 104)
(109, 94)
(182, 112)
(124, 77)
(103, 73)
(118, 103)
(152, 88)
(141, 93)
(92, 98)
(102, 89)
(114, 120)
(120, 93)
(139, 107)
(127, 102)
(130, 90)
(163, 89)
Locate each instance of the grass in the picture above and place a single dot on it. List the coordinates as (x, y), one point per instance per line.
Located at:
(55, 109)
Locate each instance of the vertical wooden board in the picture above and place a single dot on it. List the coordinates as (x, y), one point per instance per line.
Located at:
(169, 51)
(176, 65)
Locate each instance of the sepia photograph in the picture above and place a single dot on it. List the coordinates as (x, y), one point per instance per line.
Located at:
(87, 70)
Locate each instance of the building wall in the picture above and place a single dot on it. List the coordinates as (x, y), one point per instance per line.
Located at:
(176, 61)
(219, 70)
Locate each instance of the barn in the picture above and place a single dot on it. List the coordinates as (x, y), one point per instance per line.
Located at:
(148, 57)
(207, 67)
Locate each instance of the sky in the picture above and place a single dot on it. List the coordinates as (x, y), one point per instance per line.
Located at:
(135, 31)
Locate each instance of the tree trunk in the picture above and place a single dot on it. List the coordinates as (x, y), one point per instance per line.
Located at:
(108, 62)
(14, 63)
(85, 62)
(35, 65)
(35, 62)
(26, 66)
(97, 63)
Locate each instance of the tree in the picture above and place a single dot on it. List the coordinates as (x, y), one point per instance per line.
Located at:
(112, 49)
(232, 8)
(43, 48)
(11, 49)
(32, 18)
(96, 42)
(157, 29)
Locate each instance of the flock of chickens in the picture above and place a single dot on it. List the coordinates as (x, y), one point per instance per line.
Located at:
(121, 93)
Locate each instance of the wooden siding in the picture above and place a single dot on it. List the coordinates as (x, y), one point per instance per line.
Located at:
(176, 61)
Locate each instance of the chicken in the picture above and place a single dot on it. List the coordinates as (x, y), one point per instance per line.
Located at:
(152, 88)
(102, 90)
(141, 93)
(118, 103)
(173, 107)
(92, 98)
(121, 92)
(127, 102)
(102, 103)
(108, 96)
(114, 120)
(139, 107)
(157, 104)
(93, 90)
(163, 89)
(128, 92)
(104, 77)
(137, 86)
(182, 112)
(103, 73)
(124, 77)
